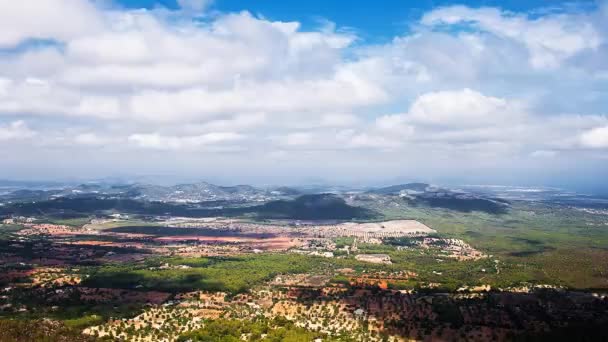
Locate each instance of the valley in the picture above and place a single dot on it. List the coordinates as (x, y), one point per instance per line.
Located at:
(389, 264)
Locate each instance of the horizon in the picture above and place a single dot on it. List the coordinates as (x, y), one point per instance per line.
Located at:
(449, 92)
(168, 181)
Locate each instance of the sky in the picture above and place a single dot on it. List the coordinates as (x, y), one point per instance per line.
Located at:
(270, 92)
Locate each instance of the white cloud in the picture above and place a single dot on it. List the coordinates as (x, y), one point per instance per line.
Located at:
(339, 120)
(595, 138)
(464, 107)
(238, 122)
(396, 123)
(365, 140)
(16, 97)
(143, 66)
(543, 154)
(549, 39)
(466, 83)
(46, 19)
(162, 142)
(91, 139)
(343, 91)
(298, 139)
(16, 130)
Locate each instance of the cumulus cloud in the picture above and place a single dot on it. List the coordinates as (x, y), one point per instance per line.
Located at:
(21, 20)
(141, 66)
(451, 116)
(16, 96)
(462, 83)
(395, 123)
(549, 39)
(343, 91)
(595, 138)
(464, 107)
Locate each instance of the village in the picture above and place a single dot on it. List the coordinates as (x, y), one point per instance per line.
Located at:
(220, 236)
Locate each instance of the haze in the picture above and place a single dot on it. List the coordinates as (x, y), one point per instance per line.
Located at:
(511, 93)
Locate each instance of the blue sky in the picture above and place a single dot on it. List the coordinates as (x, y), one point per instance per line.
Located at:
(505, 92)
(375, 20)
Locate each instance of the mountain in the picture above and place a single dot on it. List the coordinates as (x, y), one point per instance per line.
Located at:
(397, 189)
(313, 207)
(464, 203)
(306, 207)
(422, 194)
(181, 193)
(198, 192)
(276, 199)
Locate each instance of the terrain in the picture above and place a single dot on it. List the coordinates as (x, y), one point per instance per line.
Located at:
(201, 262)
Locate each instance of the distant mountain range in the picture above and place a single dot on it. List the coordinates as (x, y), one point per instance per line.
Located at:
(198, 192)
(206, 192)
(428, 195)
(305, 207)
(492, 199)
(182, 193)
(401, 188)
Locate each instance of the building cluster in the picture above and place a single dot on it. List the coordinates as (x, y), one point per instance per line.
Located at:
(46, 229)
(18, 220)
(365, 236)
(454, 248)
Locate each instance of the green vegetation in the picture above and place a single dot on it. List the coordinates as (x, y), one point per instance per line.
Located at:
(344, 241)
(233, 275)
(530, 243)
(466, 205)
(6, 230)
(535, 242)
(260, 330)
(75, 311)
(313, 207)
(39, 331)
(74, 221)
(84, 321)
(306, 207)
(238, 274)
(433, 267)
